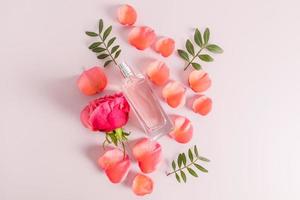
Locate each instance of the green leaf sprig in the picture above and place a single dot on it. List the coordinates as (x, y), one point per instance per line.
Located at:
(190, 54)
(181, 165)
(102, 47)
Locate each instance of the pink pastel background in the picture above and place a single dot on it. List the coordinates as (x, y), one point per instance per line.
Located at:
(251, 136)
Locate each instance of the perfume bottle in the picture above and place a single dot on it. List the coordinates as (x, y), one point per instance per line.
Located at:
(145, 103)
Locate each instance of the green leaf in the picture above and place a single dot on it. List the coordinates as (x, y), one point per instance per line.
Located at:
(100, 26)
(196, 66)
(183, 176)
(117, 54)
(114, 49)
(179, 160)
(174, 165)
(113, 138)
(92, 34)
(107, 32)
(206, 36)
(191, 155)
(192, 172)
(214, 48)
(98, 49)
(200, 168)
(196, 151)
(111, 41)
(183, 159)
(105, 64)
(102, 56)
(94, 45)
(203, 159)
(198, 38)
(189, 46)
(183, 54)
(177, 177)
(206, 58)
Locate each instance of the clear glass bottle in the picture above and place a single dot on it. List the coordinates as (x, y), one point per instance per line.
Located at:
(145, 103)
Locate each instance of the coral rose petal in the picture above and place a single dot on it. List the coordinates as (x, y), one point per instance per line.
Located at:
(142, 185)
(141, 37)
(148, 154)
(92, 81)
(115, 165)
(158, 72)
(183, 131)
(202, 105)
(199, 81)
(126, 15)
(174, 94)
(165, 46)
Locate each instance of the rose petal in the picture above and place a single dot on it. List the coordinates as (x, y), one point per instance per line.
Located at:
(165, 46)
(174, 94)
(183, 129)
(158, 72)
(85, 118)
(141, 37)
(148, 154)
(202, 105)
(199, 80)
(115, 165)
(127, 15)
(142, 185)
(92, 81)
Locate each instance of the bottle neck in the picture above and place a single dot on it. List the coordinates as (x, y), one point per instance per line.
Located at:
(125, 70)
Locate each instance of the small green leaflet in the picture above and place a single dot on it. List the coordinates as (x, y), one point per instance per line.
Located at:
(198, 38)
(107, 32)
(189, 47)
(92, 34)
(183, 54)
(100, 26)
(214, 48)
(94, 45)
(206, 58)
(196, 66)
(206, 35)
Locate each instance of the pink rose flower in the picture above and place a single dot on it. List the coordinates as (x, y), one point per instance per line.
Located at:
(106, 113)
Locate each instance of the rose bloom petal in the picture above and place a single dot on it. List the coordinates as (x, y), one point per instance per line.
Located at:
(202, 105)
(85, 118)
(126, 15)
(141, 37)
(142, 185)
(183, 129)
(165, 46)
(199, 81)
(92, 81)
(114, 164)
(158, 72)
(174, 94)
(148, 154)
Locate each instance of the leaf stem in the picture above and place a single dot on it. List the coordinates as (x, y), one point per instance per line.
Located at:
(197, 54)
(106, 48)
(180, 169)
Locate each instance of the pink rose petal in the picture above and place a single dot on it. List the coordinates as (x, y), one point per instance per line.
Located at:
(183, 131)
(148, 154)
(115, 165)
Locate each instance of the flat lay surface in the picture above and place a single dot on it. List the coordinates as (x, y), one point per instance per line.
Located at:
(251, 135)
